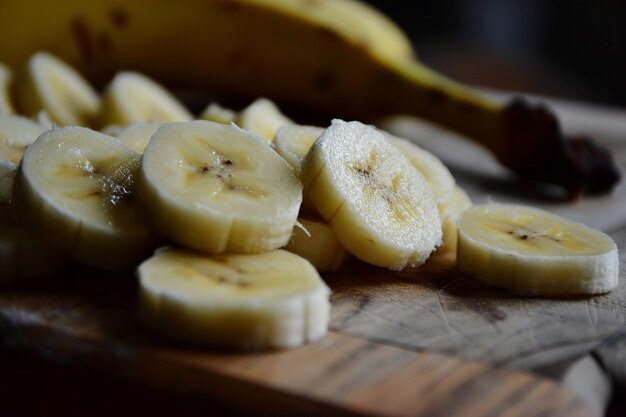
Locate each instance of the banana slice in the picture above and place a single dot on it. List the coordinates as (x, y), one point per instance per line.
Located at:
(112, 130)
(216, 113)
(16, 133)
(436, 173)
(44, 120)
(133, 97)
(314, 240)
(76, 187)
(218, 188)
(450, 210)
(263, 301)
(137, 135)
(380, 207)
(292, 142)
(532, 252)
(6, 80)
(52, 85)
(263, 117)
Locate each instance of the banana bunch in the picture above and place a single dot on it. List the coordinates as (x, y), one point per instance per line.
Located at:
(338, 57)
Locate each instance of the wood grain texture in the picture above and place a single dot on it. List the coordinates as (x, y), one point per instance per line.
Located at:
(94, 327)
(435, 308)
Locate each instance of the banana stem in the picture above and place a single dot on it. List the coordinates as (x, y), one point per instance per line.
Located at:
(526, 139)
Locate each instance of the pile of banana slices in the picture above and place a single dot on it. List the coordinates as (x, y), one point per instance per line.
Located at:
(230, 218)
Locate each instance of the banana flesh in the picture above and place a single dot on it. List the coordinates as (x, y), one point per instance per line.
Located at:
(132, 97)
(292, 142)
(380, 207)
(532, 252)
(137, 135)
(434, 171)
(314, 240)
(263, 117)
(450, 210)
(112, 130)
(48, 83)
(6, 79)
(248, 302)
(16, 133)
(218, 188)
(75, 186)
(214, 112)
(44, 120)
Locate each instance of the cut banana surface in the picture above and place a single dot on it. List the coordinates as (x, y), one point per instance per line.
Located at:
(112, 130)
(263, 117)
(43, 118)
(270, 300)
(380, 207)
(216, 113)
(314, 240)
(436, 173)
(137, 135)
(218, 188)
(532, 252)
(133, 97)
(76, 187)
(292, 142)
(6, 80)
(16, 133)
(450, 210)
(52, 85)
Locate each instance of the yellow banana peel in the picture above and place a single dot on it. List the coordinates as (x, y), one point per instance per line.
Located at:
(335, 57)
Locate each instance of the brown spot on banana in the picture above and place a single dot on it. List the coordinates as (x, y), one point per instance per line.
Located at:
(103, 42)
(83, 37)
(229, 6)
(329, 34)
(324, 81)
(119, 18)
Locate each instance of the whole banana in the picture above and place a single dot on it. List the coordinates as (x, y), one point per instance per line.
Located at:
(337, 57)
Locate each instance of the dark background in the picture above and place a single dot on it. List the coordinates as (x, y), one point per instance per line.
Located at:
(569, 49)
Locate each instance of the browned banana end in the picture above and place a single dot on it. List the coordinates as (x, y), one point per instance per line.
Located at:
(532, 144)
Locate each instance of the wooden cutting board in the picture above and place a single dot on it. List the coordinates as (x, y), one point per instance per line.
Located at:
(421, 342)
